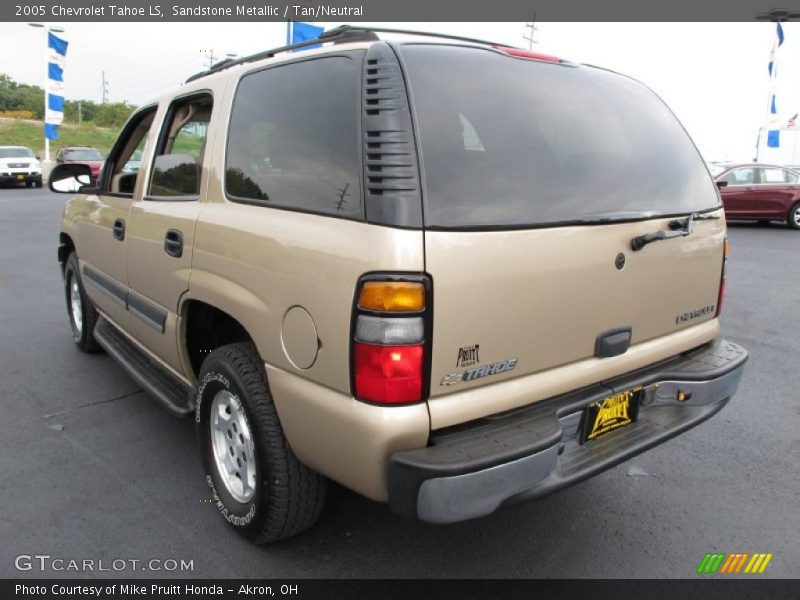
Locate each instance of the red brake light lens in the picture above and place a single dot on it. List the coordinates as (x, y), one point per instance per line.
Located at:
(388, 374)
(520, 53)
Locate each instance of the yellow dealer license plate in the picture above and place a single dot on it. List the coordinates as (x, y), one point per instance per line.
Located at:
(610, 414)
(20, 177)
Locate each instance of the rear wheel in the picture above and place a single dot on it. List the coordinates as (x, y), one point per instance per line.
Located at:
(258, 484)
(793, 220)
(82, 315)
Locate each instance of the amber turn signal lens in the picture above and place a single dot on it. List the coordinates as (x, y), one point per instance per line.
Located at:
(726, 248)
(392, 296)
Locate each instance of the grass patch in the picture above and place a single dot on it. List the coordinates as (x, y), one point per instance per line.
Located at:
(16, 132)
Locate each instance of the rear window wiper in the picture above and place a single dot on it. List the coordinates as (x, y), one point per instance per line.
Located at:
(677, 228)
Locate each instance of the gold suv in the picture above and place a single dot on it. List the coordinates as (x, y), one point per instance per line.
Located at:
(450, 275)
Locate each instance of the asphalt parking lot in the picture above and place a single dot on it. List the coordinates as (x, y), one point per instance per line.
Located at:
(92, 468)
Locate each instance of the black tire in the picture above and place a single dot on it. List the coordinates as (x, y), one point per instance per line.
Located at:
(83, 332)
(287, 497)
(38, 183)
(793, 218)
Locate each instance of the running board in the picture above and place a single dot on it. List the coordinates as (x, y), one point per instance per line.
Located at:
(154, 379)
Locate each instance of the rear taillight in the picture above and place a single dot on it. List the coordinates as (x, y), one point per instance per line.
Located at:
(390, 331)
(721, 296)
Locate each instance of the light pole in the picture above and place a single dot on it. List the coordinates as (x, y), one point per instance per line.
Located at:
(46, 78)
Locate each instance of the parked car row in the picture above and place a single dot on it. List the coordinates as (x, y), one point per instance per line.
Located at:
(760, 192)
(19, 164)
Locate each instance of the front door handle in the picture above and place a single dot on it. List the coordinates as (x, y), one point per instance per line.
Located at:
(173, 243)
(119, 229)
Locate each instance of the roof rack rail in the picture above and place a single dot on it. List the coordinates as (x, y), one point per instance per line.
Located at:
(338, 35)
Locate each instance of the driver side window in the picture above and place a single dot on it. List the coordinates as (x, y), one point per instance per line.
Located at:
(122, 170)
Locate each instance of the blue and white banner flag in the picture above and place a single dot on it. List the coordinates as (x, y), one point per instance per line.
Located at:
(54, 109)
(773, 133)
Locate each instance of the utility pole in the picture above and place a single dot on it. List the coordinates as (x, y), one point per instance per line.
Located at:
(210, 58)
(533, 29)
(80, 113)
(105, 87)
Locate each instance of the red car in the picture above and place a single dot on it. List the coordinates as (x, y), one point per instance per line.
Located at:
(761, 192)
(83, 155)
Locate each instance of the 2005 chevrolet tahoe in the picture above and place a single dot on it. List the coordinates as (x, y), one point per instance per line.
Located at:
(447, 274)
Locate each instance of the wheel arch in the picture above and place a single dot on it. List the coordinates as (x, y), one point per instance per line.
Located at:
(206, 327)
(65, 247)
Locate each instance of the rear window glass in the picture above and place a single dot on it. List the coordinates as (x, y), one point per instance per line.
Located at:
(83, 154)
(508, 142)
(293, 138)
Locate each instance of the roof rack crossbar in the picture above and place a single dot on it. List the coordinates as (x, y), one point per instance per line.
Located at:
(347, 33)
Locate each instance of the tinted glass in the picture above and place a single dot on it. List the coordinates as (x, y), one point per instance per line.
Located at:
(744, 176)
(791, 177)
(178, 163)
(293, 139)
(511, 142)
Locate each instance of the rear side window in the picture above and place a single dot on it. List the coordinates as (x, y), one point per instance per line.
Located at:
(777, 176)
(507, 142)
(744, 176)
(293, 138)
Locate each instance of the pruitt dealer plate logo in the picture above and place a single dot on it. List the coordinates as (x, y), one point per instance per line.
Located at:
(468, 356)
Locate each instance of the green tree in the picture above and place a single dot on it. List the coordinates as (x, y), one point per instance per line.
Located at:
(113, 115)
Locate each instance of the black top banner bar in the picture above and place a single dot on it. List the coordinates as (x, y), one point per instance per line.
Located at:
(397, 10)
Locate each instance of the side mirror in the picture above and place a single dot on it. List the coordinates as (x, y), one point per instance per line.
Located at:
(721, 184)
(70, 178)
(37, 157)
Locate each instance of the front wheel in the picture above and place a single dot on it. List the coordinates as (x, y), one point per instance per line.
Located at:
(82, 315)
(793, 220)
(258, 484)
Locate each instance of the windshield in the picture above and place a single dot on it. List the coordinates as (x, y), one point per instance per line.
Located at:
(16, 153)
(83, 154)
(507, 142)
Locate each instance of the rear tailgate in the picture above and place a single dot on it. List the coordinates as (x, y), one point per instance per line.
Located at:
(537, 177)
(543, 296)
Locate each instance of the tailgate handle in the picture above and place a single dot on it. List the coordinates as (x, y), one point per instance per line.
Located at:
(612, 342)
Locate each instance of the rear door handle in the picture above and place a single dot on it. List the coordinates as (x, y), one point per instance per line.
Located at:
(118, 230)
(173, 243)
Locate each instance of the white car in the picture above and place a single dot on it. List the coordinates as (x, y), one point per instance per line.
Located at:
(19, 164)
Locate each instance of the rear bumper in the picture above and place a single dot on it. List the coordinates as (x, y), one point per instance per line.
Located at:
(472, 470)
